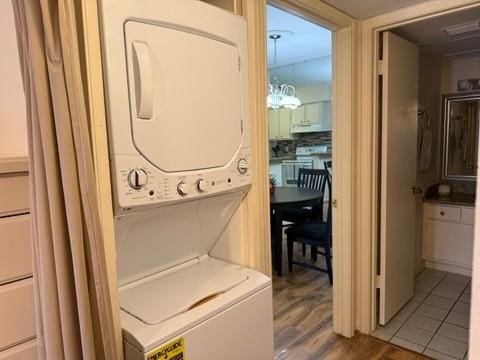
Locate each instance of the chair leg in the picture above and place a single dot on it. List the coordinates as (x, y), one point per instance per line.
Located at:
(304, 249)
(328, 260)
(313, 253)
(290, 252)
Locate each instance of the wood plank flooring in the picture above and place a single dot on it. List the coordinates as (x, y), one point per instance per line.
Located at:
(302, 304)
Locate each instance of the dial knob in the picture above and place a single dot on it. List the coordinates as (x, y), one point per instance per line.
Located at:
(242, 166)
(137, 179)
(201, 185)
(183, 188)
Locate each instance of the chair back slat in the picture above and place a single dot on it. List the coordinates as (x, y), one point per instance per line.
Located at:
(320, 180)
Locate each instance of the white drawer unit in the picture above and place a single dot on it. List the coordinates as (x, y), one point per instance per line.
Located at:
(14, 194)
(15, 248)
(448, 237)
(17, 313)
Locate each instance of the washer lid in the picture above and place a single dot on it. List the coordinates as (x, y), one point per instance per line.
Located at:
(179, 290)
(185, 96)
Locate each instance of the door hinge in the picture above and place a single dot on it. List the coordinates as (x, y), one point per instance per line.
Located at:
(380, 67)
(334, 203)
(239, 64)
(377, 281)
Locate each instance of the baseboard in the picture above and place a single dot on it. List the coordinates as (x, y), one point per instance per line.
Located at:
(456, 269)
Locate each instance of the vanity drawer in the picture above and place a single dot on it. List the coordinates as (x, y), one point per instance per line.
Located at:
(15, 248)
(27, 350)
(17, 313)
(468, 215)
(441, 212)
(14, 197)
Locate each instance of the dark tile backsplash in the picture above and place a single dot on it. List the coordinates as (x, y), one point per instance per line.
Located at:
(286, 148)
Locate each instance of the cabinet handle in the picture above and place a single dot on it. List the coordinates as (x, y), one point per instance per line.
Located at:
(442, 213)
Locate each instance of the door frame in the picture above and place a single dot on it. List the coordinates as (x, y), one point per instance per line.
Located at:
(368, 144)
(344, 33)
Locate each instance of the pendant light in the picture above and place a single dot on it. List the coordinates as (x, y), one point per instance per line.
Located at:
(280, 95)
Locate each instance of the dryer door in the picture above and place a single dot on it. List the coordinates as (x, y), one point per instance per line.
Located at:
(185, 97)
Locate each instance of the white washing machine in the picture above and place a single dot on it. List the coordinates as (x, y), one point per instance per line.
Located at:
(176, 89)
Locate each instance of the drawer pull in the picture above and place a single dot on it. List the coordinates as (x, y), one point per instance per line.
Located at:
(442, 213)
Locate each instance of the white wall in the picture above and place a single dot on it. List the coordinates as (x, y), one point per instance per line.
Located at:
(459, 68)
(13, 131)
(314, 93)
(429, 99)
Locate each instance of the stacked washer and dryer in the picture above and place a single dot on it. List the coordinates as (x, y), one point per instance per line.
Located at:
(176, 89)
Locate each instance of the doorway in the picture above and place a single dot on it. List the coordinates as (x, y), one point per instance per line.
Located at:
(299, 72)
(427, 87)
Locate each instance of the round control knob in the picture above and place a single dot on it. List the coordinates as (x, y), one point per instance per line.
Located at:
(242, 166)
(137, 179)
(201, 185)
(183, 188)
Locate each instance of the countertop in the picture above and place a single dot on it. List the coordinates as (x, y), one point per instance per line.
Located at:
(12, 163)
(281, 158)
(452, 199)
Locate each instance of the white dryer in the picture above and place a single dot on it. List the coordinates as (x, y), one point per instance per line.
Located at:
(176, 89)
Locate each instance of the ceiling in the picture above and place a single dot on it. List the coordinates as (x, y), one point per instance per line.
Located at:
(363, 9)
(301, 40)
(303, 52)
(428, 34)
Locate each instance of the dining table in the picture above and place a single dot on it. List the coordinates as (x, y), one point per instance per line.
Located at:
(285, 198)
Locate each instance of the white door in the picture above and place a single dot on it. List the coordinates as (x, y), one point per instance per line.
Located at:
(398, 173)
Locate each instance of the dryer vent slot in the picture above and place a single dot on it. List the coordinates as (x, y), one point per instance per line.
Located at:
(204, 300)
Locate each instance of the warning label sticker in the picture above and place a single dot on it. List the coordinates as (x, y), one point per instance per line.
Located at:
(174, 350)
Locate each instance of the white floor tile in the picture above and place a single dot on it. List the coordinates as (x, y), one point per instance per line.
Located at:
(454, 332)
(458, 278)
(458, 319)
(452, 285)
(427, 279)
(419, 296)
(382, 335)
(447, 293)
(407, 344)
(402, 316)
(437, 355)
(411, 306)
(423, 322)
(391, 327)
(462, 308)
(448, 346)
(423, 287)
(414, 335)
(465, 298)
(432, 272)
(439, 301)
(432, 312)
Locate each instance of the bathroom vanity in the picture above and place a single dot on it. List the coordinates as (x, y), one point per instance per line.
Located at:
(448, 233)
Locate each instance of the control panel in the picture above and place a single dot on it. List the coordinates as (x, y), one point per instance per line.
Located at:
(140, 183)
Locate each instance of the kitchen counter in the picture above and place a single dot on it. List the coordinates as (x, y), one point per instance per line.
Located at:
(281, 158)
(452, 199)
(10, 163)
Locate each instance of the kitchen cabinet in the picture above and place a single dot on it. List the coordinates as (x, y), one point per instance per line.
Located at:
(279, 124)
(312, 117)
(448, 237)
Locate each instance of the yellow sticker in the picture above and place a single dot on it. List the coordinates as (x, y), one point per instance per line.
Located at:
(174, 350)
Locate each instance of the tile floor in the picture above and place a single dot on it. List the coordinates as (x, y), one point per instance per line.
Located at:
(435, 321)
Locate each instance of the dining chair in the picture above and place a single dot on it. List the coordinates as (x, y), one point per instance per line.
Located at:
(315, 232)
(307, 179)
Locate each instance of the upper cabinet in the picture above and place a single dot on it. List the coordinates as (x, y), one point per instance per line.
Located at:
(312, 117)
(279, 124)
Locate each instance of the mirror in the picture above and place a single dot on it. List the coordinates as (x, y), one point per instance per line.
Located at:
(460, 139)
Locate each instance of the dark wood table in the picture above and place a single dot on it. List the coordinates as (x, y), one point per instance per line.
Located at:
(283, 198)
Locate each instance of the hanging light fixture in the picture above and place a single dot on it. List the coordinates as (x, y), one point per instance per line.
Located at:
(280, 95)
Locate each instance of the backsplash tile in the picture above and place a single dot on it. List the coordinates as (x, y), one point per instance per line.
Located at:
(287, 148)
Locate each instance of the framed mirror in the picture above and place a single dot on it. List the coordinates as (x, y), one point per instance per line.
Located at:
(460, 135)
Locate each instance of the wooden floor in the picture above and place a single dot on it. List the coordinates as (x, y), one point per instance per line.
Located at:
(302, 302)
